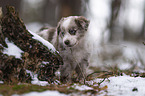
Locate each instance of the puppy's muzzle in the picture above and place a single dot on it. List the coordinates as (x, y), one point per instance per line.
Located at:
(67, 42)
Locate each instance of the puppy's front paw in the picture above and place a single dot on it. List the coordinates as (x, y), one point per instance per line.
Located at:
(65, 80)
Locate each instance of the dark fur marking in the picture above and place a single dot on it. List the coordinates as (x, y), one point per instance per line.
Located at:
(51, 34)
(58, 30)
(82, 23)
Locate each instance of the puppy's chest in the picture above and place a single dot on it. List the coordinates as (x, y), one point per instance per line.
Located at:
(71, 54)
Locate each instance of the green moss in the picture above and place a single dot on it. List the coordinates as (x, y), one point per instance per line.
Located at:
(7, 90)
(17, 87)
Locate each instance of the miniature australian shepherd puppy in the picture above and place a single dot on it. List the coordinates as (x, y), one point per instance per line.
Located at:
(69, 38)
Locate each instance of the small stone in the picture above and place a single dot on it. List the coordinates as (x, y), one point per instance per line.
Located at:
(134, 89)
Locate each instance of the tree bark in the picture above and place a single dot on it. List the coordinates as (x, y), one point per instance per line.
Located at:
(36, 57)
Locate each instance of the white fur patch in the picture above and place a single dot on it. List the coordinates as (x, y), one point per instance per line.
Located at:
(44, 34)
(66, 22)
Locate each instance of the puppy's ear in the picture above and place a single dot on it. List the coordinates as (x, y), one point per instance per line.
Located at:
(82, 22)
(58, 26)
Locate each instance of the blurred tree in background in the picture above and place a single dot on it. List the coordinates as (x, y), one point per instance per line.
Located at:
(50, 12)
(4, 3)
(115, 8)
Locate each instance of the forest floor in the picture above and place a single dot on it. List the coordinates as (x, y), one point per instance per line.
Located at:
(99, 84)
(124, 78)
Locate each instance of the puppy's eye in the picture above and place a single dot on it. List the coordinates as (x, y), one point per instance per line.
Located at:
(62, 33)
(72, 32)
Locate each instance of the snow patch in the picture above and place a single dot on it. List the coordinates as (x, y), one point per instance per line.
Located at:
(45, 93)
(45, 62)
(38, 82)
(1, 82)
(46, 43)
(34, 26)
(35, 79)
(12, 49)
(124, 66)
(121, 86)
(125, 86)
(81, 87)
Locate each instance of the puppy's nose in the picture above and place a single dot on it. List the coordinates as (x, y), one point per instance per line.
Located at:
(67, 42)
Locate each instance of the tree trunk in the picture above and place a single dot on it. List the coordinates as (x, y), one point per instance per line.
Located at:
(142, 35)
(36, 57)
(115, 8)
(70, 7)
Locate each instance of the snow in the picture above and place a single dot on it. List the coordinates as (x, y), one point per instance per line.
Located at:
(124, 66)
(12, 49)
(35, 79)
(121, 86)
(124, 85)
(45, 62)
(1, 82)
(45, 93)
(34, 26)
(81, 87)
(38, 82)
(116, 86)
(45, 42)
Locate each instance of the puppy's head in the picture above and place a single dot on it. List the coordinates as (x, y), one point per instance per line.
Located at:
(71, 29)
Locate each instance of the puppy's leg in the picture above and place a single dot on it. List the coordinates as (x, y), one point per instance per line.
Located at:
(66, 72)
(81, 69)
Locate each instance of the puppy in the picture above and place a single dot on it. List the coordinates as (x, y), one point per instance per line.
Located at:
(69, 38)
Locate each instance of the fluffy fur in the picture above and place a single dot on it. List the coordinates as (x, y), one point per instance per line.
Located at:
(69, 38)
